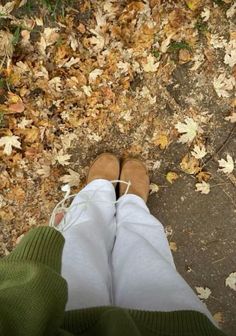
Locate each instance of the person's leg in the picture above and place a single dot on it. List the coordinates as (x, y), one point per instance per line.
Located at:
(144, 274)
(89, 241)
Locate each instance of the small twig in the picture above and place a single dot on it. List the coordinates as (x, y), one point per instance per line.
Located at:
(219, 184)
(221, 146)
(231, 199)
(216, 261)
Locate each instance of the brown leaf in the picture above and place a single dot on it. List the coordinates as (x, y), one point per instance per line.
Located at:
(16, 194)
(218, 317)
(190, 164)
(203, 176)
(6, 215)
(173, 246)
(16, 108)
(176, 18)
(31, 134)
(184, 56)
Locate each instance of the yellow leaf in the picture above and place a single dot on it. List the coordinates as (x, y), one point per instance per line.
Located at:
(173, 246)
(31, 134)
(162, 141)
(218, 317)
(16, 194)
(190, 165)
(194, 4)
(13, 99)
(172, 177)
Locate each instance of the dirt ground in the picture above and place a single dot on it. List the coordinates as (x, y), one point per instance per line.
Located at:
(149, 79)
(203, 229)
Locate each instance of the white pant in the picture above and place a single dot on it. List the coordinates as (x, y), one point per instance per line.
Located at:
(119, 255)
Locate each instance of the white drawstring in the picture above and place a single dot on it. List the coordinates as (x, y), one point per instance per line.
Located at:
(61, 207)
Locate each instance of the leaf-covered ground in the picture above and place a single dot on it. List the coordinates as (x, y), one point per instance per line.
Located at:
(153, 79)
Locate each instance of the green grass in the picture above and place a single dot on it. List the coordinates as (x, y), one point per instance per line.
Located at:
(2, 83)
(54, 8)
(16, 36)
(176, 46)
(201, 26)
(219, 2)
(156, 54)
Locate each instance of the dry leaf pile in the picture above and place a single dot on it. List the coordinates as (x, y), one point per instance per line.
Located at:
(103, 72)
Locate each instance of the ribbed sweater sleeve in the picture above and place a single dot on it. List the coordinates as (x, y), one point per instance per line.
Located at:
(41, 245)
(32, 292)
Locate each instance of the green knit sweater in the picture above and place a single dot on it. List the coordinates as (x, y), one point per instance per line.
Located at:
(33, 296)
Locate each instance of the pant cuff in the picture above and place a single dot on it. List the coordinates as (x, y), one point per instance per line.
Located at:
(133, 199)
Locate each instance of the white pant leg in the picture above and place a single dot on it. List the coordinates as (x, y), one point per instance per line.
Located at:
(144, 274)
(88, 245)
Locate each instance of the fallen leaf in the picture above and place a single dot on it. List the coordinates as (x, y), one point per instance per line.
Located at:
(97, 41)
(94, 74)
(231, 281)
(7, 9)
(16, 194)
(87, 90)
(24, 123)
(145, 93)
(226, 166)
(223, 84)
(153, 188)
(9, 142)
(67, 140)
(72, 61)
(188, 129)
(190, 165)
(203, 187)
(172, 177)
(6, 46)
(48, 38)
(151, 65)
(194, 4)
(199, 151)
(231, 118)
(203, 176)
(205, 14)
(230, 53)
(162, 141)
(203, 293)
(123, 67)
(184, 56)
(231, 11)
(16, 108)
(31, 134)
(218, 317)
(173, 246)
(44, 171)
(63, 159)
(73, 178)
(73, 42)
